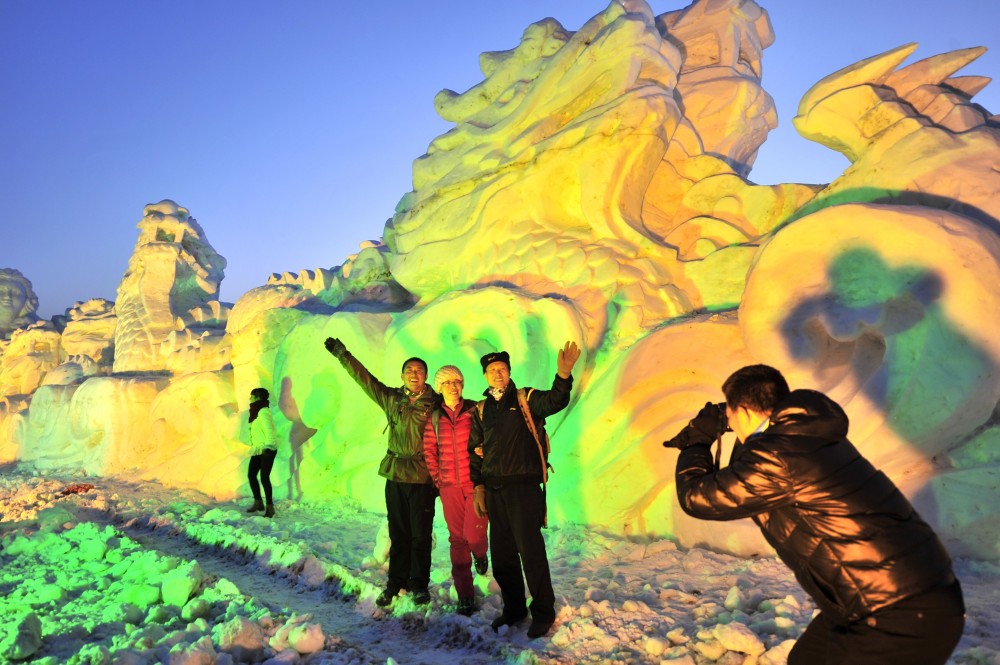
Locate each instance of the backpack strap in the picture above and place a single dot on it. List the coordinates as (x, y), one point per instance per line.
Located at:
(522, 400)
(479, 409)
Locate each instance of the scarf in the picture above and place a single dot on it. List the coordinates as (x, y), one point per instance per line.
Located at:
(256, 407)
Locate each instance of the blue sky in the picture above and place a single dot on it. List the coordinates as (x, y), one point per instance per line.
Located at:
(288, 129)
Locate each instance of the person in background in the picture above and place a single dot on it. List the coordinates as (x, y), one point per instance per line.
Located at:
(509, 479)
(409, 493)
(878, 573)
(446, 449)
(263, 450)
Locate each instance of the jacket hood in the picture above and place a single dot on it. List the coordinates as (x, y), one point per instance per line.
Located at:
(809, 412)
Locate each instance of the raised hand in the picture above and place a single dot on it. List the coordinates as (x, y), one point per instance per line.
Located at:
(335, 346)
(568, 355)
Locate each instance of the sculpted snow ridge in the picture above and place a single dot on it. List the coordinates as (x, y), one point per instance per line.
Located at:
(594, 187)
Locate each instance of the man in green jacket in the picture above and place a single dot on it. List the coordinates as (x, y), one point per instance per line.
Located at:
(409, 492)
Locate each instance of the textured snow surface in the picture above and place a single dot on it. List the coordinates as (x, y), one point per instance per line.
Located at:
(95, 570)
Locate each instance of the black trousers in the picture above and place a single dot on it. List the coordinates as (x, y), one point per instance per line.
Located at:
(261, 464)
(410, 509)
(922, 630)
(516, 513)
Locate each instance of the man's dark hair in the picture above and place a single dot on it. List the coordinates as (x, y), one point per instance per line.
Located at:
(410, 360)
(757, 387)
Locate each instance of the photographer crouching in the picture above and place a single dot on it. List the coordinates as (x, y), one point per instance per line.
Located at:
(881, 578)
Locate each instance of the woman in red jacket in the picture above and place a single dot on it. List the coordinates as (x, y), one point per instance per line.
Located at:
(446, 442)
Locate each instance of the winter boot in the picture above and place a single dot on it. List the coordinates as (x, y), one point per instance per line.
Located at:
(269, 512)
(539, 627)
(466, 606)
(257, 506)
(386, 597)
(506, 619)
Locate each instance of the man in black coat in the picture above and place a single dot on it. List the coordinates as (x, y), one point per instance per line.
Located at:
(508, 466)
(878, 573)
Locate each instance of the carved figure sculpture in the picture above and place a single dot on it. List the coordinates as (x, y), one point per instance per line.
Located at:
(173, 270)
(580, 156)
(18, 302)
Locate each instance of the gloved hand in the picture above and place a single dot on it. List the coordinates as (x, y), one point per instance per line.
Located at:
(704, 428)
(479, 501)
(335, 346)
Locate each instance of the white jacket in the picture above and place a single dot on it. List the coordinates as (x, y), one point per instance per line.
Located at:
(262, 433)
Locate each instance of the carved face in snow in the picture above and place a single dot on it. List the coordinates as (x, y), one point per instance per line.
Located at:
(13, 298)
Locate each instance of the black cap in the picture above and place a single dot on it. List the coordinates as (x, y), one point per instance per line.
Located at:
(495, 357)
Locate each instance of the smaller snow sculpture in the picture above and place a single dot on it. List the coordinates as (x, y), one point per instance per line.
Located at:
(173, 270)
(18, 302)
(33, 351)
(90, 331)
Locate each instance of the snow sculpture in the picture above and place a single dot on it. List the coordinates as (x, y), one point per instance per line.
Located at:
(198, 342)
(363, 280)
(572, 169)
(595, 188)
(18, 302)
(32, 352)
(90, 331)
(572, 178)
(173, 269)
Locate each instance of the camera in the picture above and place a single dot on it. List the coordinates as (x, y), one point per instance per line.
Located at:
(710, 423)
(722, 419)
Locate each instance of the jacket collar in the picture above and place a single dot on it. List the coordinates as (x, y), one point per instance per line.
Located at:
(508, 391)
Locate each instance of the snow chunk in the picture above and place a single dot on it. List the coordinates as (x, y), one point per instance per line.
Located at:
(286, 657)
(241, 638)
(710, 649)
(141, 595)
(200, 653)
(777, 655)
(734, 600)
(26, 639)
(195, 608)
(655, 646)
(306, 638)
(737, 637)
(180, 584)
(296, 633)
(677, 636)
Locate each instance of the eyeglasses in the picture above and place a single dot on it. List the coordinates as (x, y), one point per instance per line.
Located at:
(457, 383)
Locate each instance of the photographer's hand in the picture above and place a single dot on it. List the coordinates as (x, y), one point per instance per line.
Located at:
(711, 421)
(704, 428)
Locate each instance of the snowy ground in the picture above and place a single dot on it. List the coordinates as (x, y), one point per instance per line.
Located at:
(139, 573)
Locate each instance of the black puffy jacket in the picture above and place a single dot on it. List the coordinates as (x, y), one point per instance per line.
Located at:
(509, 451)
(852, 539)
